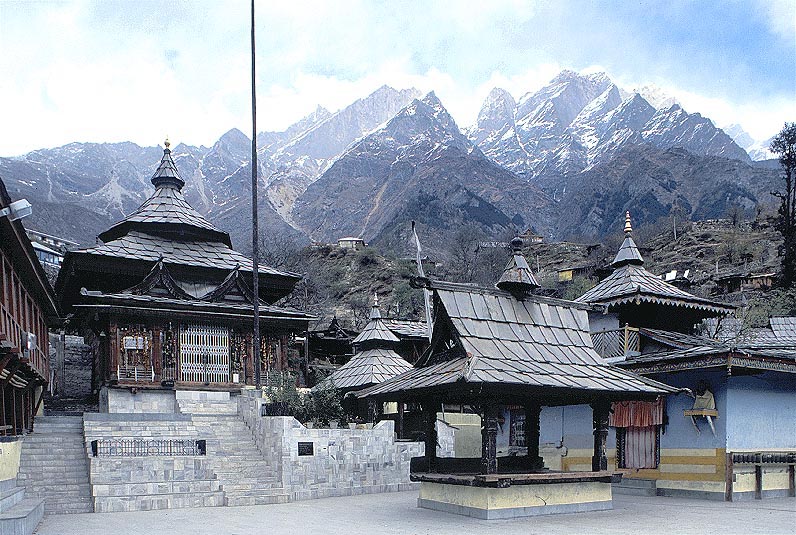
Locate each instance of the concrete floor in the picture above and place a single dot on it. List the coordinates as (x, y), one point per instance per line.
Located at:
(397, 513)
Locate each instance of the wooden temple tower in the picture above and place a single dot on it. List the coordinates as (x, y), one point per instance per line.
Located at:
(166, 302)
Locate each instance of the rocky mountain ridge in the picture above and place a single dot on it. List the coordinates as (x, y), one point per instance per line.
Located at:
(563, 161)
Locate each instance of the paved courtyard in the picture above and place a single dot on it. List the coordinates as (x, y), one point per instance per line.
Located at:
(397, 513)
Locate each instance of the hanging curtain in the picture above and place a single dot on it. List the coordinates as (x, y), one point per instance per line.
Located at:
(636, 413)
(640, 447)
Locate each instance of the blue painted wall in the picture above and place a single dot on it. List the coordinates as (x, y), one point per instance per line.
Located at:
(680, 432)
(762, 412)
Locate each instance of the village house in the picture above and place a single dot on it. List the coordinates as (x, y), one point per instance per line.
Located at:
(731, 436)
(27, 309)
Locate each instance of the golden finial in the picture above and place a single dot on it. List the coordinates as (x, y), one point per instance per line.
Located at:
(167, 143)
(375, 299)
(628, 228)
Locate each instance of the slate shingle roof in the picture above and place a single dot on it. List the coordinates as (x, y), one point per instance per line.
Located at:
(369, 367)
(631, 282)
(93, 298)
(535, 342)
(138, 245)
(410, 329)
(167, 208)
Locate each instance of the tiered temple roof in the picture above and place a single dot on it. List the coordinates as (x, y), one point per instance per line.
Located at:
(167, 256)
(375, 361)
(631, 283)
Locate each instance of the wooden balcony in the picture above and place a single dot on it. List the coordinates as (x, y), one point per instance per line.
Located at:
(13, 339)
(616, 342)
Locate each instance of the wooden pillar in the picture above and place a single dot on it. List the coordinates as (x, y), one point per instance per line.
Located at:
(113, 351)
(14, 399)
(532, 411)
(430, 433)
(792, 481)
(5, 419)
(489, 427)
(248, 360)
(758, 482)
(728, 477)
(599, 460)
(157, 352)
(400, 426)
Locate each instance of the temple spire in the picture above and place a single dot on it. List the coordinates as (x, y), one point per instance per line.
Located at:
(517, 278)
(375, 313)
(628, 251)
(166, 174)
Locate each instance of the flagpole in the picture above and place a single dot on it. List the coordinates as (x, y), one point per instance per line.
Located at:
(255, 225)
(426, 296)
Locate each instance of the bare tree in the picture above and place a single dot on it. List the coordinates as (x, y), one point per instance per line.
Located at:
(784, 145)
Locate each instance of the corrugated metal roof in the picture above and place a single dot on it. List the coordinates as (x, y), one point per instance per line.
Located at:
(534, 342)
(368, 367)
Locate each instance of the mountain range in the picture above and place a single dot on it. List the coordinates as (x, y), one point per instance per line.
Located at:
(565, 161)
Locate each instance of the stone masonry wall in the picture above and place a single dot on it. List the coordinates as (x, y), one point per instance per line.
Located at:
(343, 461)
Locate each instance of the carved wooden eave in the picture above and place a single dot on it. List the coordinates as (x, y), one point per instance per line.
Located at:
(234, 288)
(159, 278)
(723, 359)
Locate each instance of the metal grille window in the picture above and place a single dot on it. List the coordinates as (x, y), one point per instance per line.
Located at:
(136, 447)
(204, 354)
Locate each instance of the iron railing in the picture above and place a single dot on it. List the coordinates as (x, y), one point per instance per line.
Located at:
(139, 447)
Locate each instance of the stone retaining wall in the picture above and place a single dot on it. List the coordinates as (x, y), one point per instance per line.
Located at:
(343, 462)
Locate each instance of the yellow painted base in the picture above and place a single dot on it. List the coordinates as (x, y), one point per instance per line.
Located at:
(516, 500)
(9, 458)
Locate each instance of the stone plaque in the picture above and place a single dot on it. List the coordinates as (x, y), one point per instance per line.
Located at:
(305, 448)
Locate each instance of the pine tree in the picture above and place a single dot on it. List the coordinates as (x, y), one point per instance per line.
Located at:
(784, 145)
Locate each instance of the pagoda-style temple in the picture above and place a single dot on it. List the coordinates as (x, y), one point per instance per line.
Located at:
(166, 302)
(493, 348)
(632, 295)
(374, 361)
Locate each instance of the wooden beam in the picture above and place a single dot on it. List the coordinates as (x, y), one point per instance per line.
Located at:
(728, 477)
(5, 361)
(11, 373)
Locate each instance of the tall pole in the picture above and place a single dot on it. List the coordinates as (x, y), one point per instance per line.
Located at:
(255, 227)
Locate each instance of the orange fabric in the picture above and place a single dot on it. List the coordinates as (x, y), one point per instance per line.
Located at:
(636, 413)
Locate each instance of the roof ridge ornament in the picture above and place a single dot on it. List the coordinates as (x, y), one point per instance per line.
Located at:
(517, 277)
(375, 313)
(167, 175)
(628, 252)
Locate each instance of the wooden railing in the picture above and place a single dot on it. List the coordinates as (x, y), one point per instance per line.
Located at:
(16, 336)
(616, 342)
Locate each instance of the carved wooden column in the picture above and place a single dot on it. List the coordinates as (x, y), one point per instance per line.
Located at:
(489, 427)
(430, 433)
(532, 411)
(157, 352)
(599, 461)
(112, 345)
(249, 360)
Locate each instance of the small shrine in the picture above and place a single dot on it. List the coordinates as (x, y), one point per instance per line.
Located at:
(167, 303)
(375, 361)
(507, 346)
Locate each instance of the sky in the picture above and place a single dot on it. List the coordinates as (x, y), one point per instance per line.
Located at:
(139, 70)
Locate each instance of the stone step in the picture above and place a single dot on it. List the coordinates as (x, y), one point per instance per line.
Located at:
(261, 499)
(152, 502)
(56, 490)
(22, 517)
(11, 497)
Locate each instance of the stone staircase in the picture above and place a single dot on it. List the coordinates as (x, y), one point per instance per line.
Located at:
(18, 515)
(135, 483)
(54, 466)
(245, 476)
